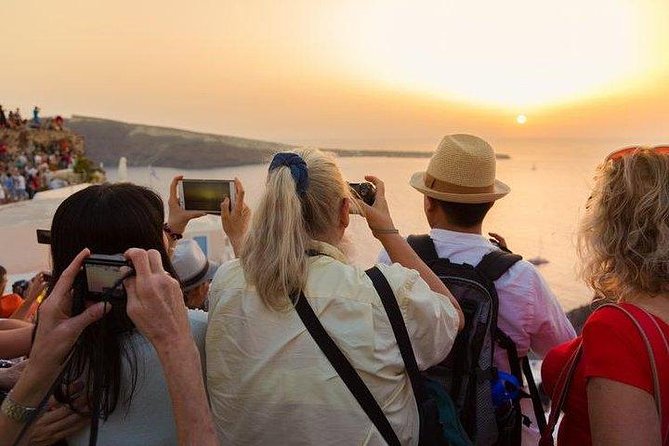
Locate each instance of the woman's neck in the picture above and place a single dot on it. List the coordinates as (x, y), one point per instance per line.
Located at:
(656, 305)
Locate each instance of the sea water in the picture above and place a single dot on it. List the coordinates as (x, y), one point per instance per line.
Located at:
(550, 183)
(539, 218)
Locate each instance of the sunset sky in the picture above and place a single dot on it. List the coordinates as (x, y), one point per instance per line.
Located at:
(334, 70)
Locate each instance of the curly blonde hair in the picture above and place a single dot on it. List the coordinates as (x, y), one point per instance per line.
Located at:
(623, 240)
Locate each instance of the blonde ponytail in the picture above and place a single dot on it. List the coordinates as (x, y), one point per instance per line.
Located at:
(274, 256)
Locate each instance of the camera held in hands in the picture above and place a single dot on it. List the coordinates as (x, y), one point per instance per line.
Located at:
(20, 287)
(364, 191)
(104, 276)
(205, 195)
(101, 279)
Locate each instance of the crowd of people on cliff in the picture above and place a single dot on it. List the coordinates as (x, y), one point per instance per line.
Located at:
(290, 343)
(27, 167)
(13, 120)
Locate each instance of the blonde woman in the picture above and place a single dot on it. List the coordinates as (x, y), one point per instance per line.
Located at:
(268, 382)
(614, 398)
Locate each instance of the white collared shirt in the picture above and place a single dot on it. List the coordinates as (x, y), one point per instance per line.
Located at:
(529, 312)
(268, 382)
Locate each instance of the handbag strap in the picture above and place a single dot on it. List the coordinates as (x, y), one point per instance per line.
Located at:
(560, 393)
(657, 391)
(392, 308)
(345, 370)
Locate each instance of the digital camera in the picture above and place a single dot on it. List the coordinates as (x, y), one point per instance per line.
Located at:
(101, 280)
(364, 191)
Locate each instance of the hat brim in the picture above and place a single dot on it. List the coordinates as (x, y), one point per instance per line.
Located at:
(211, 272)
(417, 181)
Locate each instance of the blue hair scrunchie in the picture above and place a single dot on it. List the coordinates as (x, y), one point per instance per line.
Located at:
(298, 169)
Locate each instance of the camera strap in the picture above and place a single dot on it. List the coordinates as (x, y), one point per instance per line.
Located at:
(95, 417)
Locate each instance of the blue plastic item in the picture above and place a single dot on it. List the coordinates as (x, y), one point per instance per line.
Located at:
(505, 389)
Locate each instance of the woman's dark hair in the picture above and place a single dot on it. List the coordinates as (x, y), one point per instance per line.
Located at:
(107, 219)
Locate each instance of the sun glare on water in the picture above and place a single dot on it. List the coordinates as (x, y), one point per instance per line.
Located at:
(511, 54)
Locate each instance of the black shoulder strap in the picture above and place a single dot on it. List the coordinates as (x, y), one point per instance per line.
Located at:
(424, 247)
(494, 264)
(346, 371)
(534, 395)
(505, 341)
(392, 308)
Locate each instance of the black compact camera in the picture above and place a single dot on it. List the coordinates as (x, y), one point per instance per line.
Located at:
(101, 279)
(104, 274)
(364, 191)
(20, 287)
(43, 236)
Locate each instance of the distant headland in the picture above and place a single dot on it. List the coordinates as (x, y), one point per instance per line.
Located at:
(108, 140)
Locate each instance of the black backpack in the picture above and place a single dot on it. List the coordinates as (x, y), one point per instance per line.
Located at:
(468, 371)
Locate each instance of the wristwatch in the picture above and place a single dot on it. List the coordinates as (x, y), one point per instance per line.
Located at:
(16, 412)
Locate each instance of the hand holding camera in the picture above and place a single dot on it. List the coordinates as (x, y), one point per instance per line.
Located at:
(57, 331)
(378, 215)
(236, 221)
(155, 301)
(178, 217)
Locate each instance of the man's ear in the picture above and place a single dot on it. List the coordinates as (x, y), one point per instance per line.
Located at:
(428, 203)
(344, 211)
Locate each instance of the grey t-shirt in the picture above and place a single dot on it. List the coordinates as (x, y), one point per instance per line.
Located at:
(149, 420)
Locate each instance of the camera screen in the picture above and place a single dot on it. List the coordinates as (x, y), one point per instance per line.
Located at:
(44, 236)
(205, 195)
(100, 278)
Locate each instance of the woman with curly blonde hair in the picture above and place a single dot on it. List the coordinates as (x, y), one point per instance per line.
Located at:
(614, 379)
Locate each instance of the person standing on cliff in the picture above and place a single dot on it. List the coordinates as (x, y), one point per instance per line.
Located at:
(36, 122)
(459, 188)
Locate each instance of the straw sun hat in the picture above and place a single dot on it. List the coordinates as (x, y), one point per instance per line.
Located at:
(462, 170)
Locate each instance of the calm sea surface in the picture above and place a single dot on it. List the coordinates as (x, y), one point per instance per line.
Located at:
(549, 182)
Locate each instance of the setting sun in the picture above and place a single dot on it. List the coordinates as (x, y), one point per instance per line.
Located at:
(521, 119)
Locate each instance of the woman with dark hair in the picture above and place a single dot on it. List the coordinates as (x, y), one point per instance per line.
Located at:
(156, 306)
(123, 382)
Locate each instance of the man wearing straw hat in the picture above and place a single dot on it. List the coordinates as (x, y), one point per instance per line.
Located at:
(459, 188)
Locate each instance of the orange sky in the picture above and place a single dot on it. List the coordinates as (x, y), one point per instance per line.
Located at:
(334, 70)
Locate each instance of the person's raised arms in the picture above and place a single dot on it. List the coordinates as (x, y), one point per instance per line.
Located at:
(37, 286)
(55, 335)
(15, 342)
(156, 306)
(382, 226)
(236, 221)
(11, 324)
(177, 218)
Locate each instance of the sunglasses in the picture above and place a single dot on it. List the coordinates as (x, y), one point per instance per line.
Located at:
(663, 150)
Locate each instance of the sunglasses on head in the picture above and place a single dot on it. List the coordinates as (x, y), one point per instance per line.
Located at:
(664, 150)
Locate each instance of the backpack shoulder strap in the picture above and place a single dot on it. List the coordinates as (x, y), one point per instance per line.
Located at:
(345, 370)
(494, 264)
(392, 308)
(424, 247)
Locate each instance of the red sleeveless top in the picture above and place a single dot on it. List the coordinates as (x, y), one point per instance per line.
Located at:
(612, 349)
